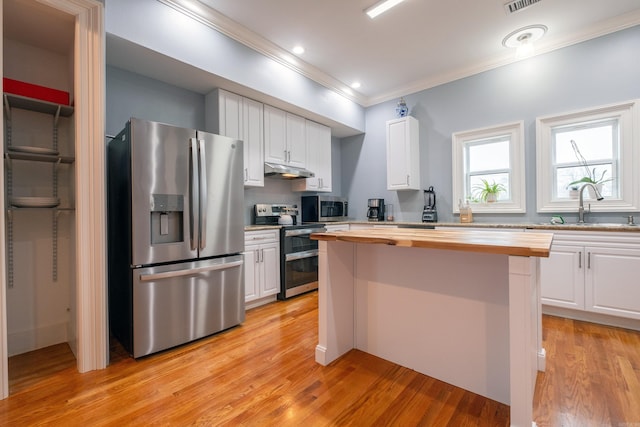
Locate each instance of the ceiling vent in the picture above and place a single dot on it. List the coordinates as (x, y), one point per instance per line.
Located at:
(517, 5)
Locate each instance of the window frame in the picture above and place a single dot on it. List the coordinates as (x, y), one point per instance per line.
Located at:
(628, 160)
(515, 131)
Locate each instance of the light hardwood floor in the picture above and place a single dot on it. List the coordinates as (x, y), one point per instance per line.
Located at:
(263, 373)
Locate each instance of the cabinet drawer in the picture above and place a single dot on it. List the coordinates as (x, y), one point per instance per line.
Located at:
(262, 236)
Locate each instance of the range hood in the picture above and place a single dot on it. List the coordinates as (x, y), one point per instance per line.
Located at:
(275, 170)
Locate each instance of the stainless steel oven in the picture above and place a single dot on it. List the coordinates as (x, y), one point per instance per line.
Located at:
(299, 260)
(298, 253)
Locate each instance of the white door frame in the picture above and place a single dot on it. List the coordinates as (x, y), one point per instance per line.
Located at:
(89, 84)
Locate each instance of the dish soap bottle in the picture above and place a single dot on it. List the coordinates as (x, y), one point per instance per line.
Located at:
(465, 212)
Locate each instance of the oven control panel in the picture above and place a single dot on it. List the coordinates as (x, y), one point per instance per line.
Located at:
(265, 209)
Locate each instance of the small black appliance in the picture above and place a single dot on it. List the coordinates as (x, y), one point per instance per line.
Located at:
(375, 211)
(429, 213)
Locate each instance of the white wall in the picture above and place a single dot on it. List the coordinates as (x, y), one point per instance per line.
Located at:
(41, 310)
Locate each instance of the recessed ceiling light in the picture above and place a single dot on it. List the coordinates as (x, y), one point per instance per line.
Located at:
(355, 85)
(381, 7)
(523, 38)
(298, 50)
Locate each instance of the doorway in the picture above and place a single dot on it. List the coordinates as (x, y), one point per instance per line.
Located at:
(53, 295)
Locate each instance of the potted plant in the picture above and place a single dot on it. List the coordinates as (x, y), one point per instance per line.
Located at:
(488, 192)
(590, 175)
(574, 191)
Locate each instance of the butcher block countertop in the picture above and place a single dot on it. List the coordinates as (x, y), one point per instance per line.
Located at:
(506, 243)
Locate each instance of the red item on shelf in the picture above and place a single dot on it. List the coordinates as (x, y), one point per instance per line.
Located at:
(29, 90)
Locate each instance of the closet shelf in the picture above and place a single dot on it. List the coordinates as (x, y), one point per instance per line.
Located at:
(25, 103)
(14, 155)
(13, 208)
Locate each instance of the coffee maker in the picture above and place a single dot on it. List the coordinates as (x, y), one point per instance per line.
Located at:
(376, 210)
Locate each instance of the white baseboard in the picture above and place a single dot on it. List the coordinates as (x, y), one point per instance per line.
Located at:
(587, 316)
(542, 360)
(258, 302)
(33, 339)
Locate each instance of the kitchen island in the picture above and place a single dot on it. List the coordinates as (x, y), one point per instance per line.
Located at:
(461, 306)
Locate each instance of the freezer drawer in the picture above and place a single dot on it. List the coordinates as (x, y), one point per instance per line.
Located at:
(177, 303)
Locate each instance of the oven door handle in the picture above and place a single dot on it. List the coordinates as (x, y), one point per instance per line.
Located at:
(301, 231)
(301, 255)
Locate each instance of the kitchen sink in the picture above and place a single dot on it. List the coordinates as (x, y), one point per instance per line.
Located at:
(590, 224)
(605, 224)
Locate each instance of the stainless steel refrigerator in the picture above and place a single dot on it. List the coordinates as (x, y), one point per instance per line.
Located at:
(175, 235)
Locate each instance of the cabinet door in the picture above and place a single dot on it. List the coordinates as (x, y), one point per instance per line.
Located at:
(275, 135)
(253, 137)
(296, 141)
(403, 158)
(321, 140)
(562, 277)
(251, 273)
(612, 281)
(230, 110)
(271, 266)
(318, 159)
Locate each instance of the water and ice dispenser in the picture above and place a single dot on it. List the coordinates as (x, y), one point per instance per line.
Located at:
(167, 218)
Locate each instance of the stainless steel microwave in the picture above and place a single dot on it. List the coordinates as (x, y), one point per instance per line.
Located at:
(324, 209)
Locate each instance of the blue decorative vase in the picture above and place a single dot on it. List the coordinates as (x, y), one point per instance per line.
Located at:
(401, 109)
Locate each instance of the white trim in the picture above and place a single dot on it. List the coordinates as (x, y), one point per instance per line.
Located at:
(628, 114)
(4, 362)
(89, 68)
(517, 165)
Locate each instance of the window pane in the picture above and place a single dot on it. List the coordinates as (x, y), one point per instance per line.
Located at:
(475, 181)
(489, 155)
(566, 175)
(594, 143)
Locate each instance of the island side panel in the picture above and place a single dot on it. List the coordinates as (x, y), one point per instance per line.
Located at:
(443, 313)
(525, 338)
(335, 300)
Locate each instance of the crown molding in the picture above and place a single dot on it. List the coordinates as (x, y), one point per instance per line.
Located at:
(237, 32)
(221, 23)
(600, 29)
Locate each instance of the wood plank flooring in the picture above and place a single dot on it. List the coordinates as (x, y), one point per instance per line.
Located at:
(263, 373)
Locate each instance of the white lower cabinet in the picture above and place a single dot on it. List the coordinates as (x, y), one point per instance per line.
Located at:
(261, 266)
(593, 272)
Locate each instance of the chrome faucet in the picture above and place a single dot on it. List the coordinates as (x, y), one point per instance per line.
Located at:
(581, 205)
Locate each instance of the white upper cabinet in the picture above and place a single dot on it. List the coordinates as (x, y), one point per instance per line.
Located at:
(403, 154)
(253, 135)
(241, 118)
(318, 159)
(284, 137)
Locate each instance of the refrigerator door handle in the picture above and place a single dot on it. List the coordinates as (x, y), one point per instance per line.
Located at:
(193, 192)
(203, 196)
(189, 272)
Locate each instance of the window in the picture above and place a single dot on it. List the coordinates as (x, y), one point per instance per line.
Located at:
(592, 146)
(492, 155)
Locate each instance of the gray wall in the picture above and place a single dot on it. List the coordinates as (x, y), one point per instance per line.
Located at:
(167, 32)
(133, 95)
(589, 74)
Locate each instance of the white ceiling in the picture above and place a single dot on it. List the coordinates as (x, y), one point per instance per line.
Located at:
(419, 43)
(35, 24)
(416, 45)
